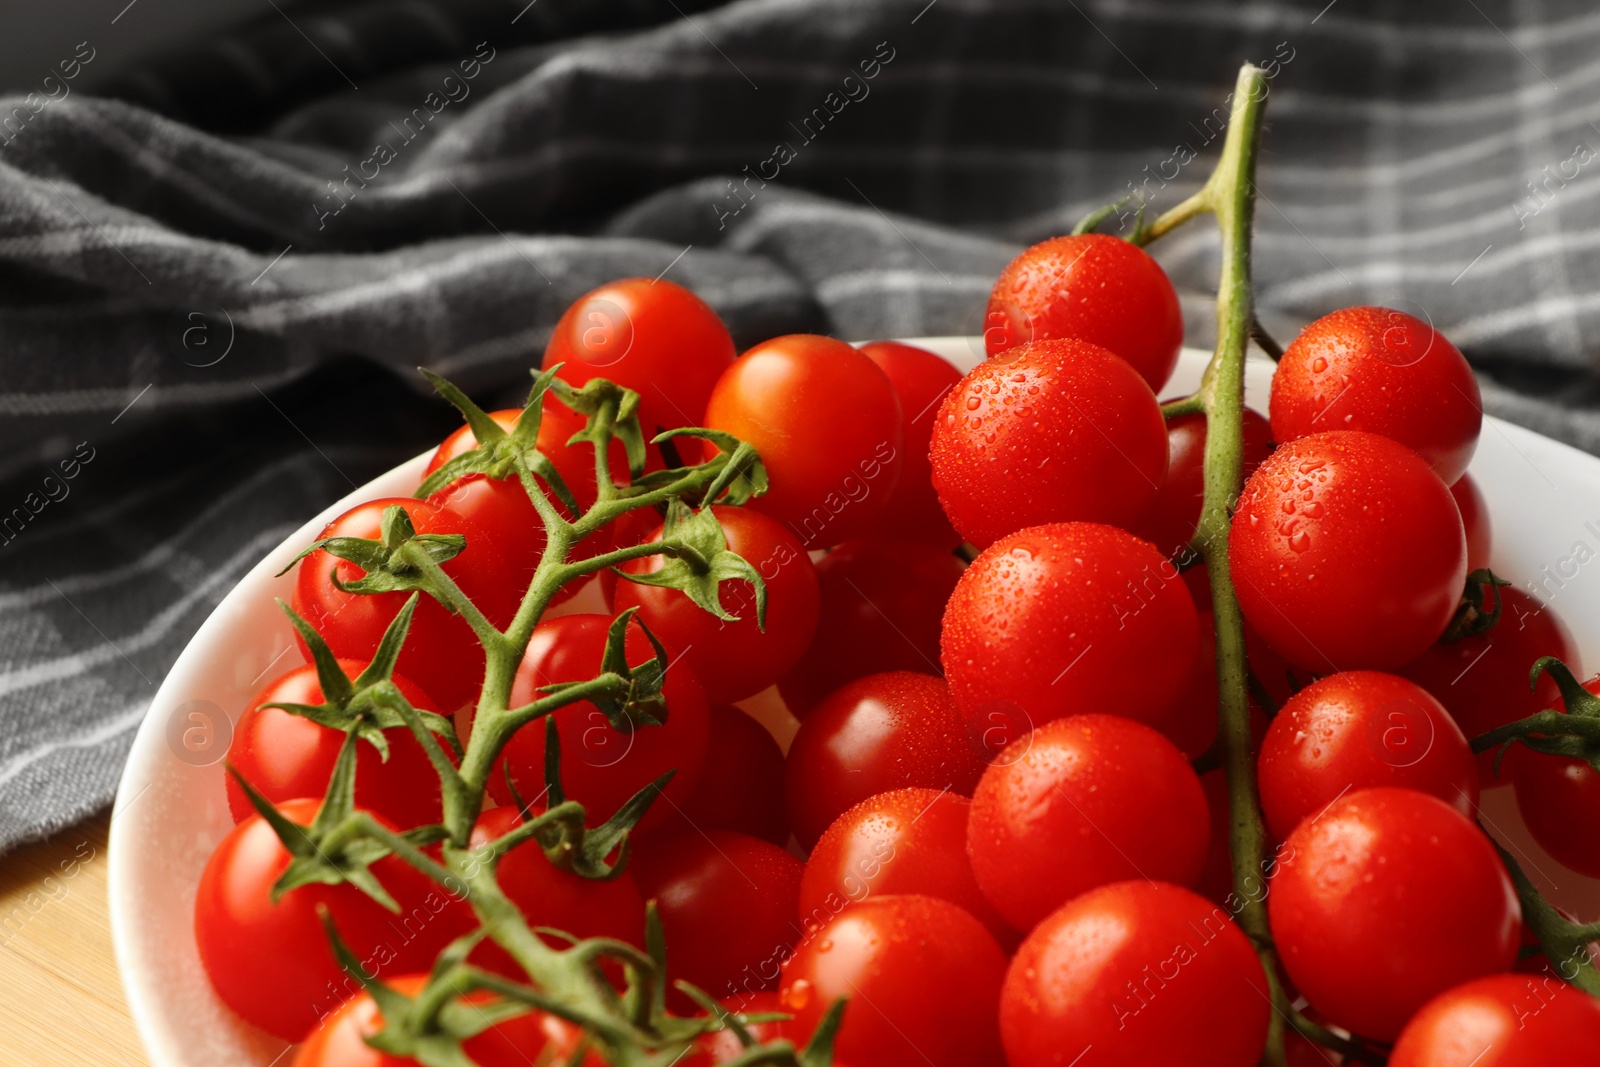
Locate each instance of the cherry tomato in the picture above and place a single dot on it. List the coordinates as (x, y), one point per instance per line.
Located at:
(1504, 1020)
(1559, 799)
(441, 652)
(1171, 521)
(341, 1040)
(734, 660)
(921, 380)
(1062, 619)
(1383, 372)
(1053, 431)
(728, 903)
(1356, 730)
(1475, 519)
(1079, 803)
(903, 841)
(1347, 552)
(1483, 679)
(283, 755)
(742, 789)
(602, 766)
(272, 964)
(501, 506)
(881, 607)
(827, 423)
(1091, 287)
(552, 898)
(1385, 900)
(650, 335)
(1135, 973)
(881, 732)
(921, 975)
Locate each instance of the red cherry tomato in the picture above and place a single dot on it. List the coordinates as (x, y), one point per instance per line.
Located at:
(903, 841)
(1079, 803)
(881, 732)
(1356, 730)
(921, 380)
(1504, 1020)
(1171, 521)
(1384, 372)
(272, 964)
(555, 899)
(728, 903)
(742, 789)
(441, 652)
(1063, 619)
(284, 756)
(1054, 431)
(826, 421)
(921, 976)
(1559, 799)
(1475, 518)
(1091, 287)
(1385, 900)
(650, 335)
(1483, 679)
(735, 660)
(341, 1040)
(501, 506)
(1135, 973)
(1347, 552)
(602, 766)
(882, 603)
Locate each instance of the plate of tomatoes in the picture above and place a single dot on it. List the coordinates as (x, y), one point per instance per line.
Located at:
(1059, 695)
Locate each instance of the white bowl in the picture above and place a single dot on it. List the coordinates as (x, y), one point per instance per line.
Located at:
(1544, 498)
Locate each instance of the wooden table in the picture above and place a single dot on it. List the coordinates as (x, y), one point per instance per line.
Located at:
(61, 1001)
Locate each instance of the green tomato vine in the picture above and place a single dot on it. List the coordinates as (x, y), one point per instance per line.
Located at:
(630, 1026)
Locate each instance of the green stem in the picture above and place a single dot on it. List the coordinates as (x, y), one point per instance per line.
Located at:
(1229, 194)
(445, 590)
(1186, 405)
(1565, 943)
(1195, 206)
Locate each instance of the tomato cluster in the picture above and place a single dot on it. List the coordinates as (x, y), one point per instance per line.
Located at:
(986, 835)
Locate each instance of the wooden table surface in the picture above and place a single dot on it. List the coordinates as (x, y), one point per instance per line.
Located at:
(61, 1001)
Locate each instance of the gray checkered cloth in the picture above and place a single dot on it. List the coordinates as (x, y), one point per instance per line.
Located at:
(216, 279)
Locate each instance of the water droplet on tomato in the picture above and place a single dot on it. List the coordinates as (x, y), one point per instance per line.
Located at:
(797, 995)
(1300, 541)
(1319, 365)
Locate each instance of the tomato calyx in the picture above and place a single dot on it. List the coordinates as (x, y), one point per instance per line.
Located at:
(370, 703)
(562, 829)
(634, 696)
(335, 849)
(1480, 608)
(699, 561)
(400, 560)
(502, 455)
(612, 413)
(1573, 732)
(743, 476)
